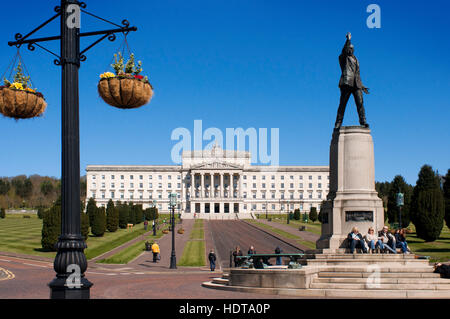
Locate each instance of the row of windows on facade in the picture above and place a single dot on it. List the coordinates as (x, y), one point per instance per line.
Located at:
(254, 207)
(169, 177)
(244, 185)
(282, 207)
(197, 195)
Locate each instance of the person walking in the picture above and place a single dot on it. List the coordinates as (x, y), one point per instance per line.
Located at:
(212, 260)
(156, 252)
(145, 224)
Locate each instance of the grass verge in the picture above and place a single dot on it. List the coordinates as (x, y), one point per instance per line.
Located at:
(194, 250)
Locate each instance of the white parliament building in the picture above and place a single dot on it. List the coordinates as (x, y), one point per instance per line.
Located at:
(212, 184)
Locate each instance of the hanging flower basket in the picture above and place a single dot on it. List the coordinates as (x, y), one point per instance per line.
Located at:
(19, 101)
(126, 89)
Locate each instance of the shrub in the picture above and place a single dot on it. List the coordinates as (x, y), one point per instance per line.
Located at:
(313, 214)
(91, 210)
(26, 216)
(131, 213)
(123, 215)
(297, 214)
(112, 217)
(138, 214)
(84, 225)
(99, 223)
(427, 205)
(2, 213)
(40, 212)
(51, 227)
(446, 188)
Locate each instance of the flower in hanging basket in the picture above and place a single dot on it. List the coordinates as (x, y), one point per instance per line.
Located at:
(18, 100)
(126, 88)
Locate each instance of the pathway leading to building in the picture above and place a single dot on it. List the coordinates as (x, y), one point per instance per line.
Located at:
(229, 234)
(305, 235)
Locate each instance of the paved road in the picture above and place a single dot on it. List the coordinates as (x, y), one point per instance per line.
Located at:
(229, 234)
(29, 279)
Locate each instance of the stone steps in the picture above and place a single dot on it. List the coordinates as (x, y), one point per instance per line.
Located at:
(348, 274)
(366, 256)
(388, 280)
(380, 286)
(411, 263)
(337, 293)
(220, 281)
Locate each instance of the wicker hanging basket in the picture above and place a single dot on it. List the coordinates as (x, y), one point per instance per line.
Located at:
(125, 92)
(21, 104)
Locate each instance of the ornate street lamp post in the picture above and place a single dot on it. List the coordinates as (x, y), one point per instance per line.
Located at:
(288, 214)
(154, 220)
(173, 203)
(266, 212)
(400, 203)
(70, 262)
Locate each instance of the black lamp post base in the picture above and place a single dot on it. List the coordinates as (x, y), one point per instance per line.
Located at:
(173, 262)
(60, 290)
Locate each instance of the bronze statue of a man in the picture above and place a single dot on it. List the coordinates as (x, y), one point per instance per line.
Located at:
(350, 83)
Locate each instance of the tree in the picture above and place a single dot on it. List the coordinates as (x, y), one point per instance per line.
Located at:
(427, 205)
(123, 215)
(313, 214)
(446, 189)
(138, 214)
(131, 213)
(2, 213)
(5, 186)
(40, 212)
(98, 227)
(297, 214)
(84, 224)
(51, 227)
(23, 186)
(46, 188)
(399, 184)
(91, 210)
(112, 217)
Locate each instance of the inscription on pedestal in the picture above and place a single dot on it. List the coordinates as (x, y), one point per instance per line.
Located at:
(359, 216)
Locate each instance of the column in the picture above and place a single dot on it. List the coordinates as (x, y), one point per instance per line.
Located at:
(191, 189)
(240, 186)
(202, 175)
(221, 186)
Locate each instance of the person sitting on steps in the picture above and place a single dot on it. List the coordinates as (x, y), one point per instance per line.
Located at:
(372, 240)
(355, 240)
(388, 240)
(400, 239)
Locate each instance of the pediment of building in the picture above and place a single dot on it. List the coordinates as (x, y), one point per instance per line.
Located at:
(216, 165)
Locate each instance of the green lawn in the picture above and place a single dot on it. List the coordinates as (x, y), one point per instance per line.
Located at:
(438, 250)
(194, 251)
(129, 253)
(197, 230)
(23, 235)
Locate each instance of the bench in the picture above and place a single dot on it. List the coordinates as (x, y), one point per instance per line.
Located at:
(261, 261)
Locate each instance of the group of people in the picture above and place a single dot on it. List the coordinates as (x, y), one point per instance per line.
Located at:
(384, 241)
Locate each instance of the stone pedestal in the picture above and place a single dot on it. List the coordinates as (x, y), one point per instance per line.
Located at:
(352, 199)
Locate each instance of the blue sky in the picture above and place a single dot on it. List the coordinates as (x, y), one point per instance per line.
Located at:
(261, 64)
